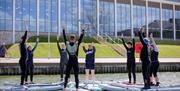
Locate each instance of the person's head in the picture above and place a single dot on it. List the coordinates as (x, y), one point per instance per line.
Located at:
(63, 46)
(129, 44)
(72, 38)
(90, 46)
(29, 48)
(146, 41)
(23, 38)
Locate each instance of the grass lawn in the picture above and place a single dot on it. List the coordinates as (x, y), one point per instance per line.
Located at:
(42, 51)
(102, 51)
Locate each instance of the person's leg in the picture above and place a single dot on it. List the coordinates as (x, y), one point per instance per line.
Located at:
(151, 74)
(129, 71)
(61, 71)
(23, 73)
(144, 72)
(93, 75)
(68, 70)
(134, 71)
(31, 73)
(148, 73)
(155, 74)
(87, 74)
(27, 73)
(76, 73)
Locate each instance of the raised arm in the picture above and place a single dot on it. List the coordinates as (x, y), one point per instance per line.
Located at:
(84, 49)
(154, 43)
(80, 38)
(37, 41)
(133, 43)
(24, 37)
(94, 48)
(59, 48)
(124, 43)
(141, 39)
(64, 36)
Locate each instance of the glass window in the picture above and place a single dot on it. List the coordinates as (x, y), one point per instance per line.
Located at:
(8, 25)
(154, 19)
(19, 10)
(2, 9)
(9, 9)
(54, 15)
(2, 14)
(167, 21)
(2, 24)
(107, 16)
(88, 15)
(177, 22)
(33, 10)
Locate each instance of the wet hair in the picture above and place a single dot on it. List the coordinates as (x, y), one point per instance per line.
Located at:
(129, 43)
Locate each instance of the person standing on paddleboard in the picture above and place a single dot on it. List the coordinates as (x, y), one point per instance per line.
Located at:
(29, 63)
(131, 63)
(72, 48)
(145, 59)
(155, 61)
(90, 62)
(23, 57)
(63, 59)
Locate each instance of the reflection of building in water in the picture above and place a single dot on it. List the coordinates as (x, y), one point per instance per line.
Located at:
(110, 17)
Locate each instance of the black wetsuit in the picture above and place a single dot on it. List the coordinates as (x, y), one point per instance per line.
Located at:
(90, 57)
(131, 64)
(154, 59)
(23, 58)
(63, 59)
(73, 58)
(30, 64)
(145, 59)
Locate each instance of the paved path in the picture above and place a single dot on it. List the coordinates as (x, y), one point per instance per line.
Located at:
(81, 60)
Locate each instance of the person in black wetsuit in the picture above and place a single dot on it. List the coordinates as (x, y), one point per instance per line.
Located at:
(131, 63)
(90, 61)
(29, 63)
(72, 48)
(23, 57)
(63, 59)
(154, 60)
(145, 59)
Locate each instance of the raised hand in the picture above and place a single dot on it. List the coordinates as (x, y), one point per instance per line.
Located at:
(37, 39)
(122, 35)
(57, 37)
(84, 27)
(142, 30)
(92, 43)
(133, 35)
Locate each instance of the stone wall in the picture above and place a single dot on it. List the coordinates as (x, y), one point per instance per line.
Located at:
(53, 68)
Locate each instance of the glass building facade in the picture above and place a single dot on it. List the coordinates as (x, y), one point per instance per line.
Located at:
(111, 17)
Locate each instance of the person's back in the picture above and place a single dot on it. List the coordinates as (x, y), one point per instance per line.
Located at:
(63, 54)
(23, 50)
(90, 56)
(144, 53)
(30, 57)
